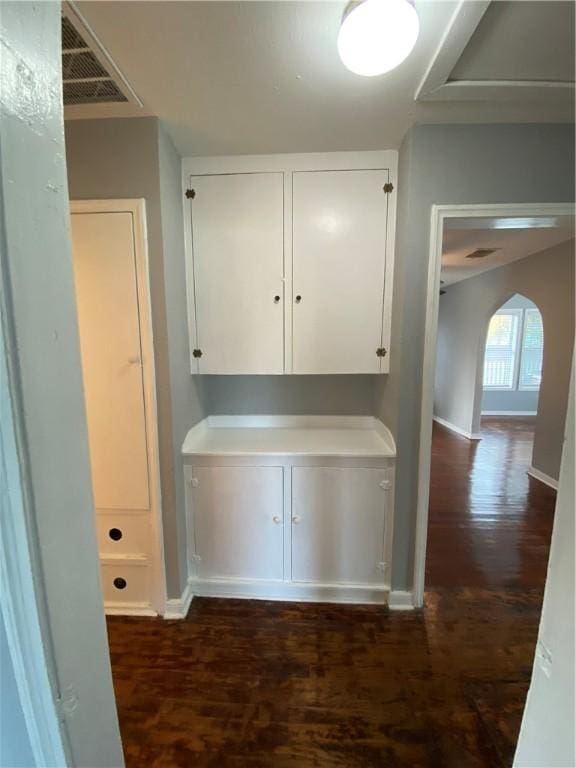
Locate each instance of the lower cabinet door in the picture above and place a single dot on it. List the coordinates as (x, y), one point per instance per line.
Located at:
(338, 519)
(238, 522)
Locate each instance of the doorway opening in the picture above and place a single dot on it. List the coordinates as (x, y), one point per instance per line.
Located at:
(503, 283)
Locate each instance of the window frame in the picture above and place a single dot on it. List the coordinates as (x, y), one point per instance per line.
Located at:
(519, 314)
(528, 388)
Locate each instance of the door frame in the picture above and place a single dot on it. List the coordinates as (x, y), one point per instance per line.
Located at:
(438, 215)
(137, 208)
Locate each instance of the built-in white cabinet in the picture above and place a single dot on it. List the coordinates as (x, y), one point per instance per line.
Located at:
(238, 522)
(290, 507)
(339, 264)
(238, 272)
(290, 262)
(338, 524)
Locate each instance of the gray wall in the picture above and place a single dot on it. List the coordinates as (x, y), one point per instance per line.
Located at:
(39, 330)
(451, 164)
(547, 734)
(186, 391)
(500, 400)
(134, 158)
(547, 278)
(341, 395)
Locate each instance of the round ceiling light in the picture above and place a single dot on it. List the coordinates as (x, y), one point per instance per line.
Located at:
(377, 35)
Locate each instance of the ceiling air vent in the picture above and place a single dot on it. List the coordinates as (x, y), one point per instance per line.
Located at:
(88, 73)
(481, 253)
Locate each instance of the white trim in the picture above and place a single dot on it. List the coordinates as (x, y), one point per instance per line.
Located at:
(291, 591)
(543, 477)
(178, 607)
(29, 650)
(437, 86)
(128, 609)
(458, 430)
(437, 216)
(400, 600)
(137, 207)
(509, 413)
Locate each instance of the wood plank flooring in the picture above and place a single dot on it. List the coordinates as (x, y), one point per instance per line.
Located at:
(250, 683)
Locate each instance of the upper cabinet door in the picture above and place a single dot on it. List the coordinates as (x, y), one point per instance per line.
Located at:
(238, 266)
(339, 262)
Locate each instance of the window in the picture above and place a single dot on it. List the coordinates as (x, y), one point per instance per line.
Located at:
(501, 350)
(532, 348)
(514, 346)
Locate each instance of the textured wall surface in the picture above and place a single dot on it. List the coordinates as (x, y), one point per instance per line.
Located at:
(547, 734)
(44, 356)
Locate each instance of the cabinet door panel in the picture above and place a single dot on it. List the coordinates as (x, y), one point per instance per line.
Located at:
(339, 259)
(338, 519)
(238, 254)
(238, 522)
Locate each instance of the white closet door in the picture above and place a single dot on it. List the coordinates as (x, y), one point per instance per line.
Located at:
(238, 522)
(338, 518)
(107, 304)
(339, 259)
(238, 256)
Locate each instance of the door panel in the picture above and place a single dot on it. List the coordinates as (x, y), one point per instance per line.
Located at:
(108, 320)
(338, 517)
(238, 522)
(339, 255)
(238, 247)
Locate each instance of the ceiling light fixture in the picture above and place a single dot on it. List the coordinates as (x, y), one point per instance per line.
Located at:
(377, 35)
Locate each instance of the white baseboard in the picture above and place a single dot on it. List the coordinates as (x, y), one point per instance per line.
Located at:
(399, 600)
(178, 607)
(509, 413)
(290, 592)
(543, 477)
(457, 430)
(129, 609)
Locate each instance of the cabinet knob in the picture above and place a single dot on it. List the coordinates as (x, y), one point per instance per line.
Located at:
(296, 519)
(298, 299)
(277, 519)
(276, 299)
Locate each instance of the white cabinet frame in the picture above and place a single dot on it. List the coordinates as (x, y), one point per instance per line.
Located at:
(289, 164)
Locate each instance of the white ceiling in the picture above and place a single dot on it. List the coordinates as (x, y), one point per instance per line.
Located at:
(265, 77)
(463, 236)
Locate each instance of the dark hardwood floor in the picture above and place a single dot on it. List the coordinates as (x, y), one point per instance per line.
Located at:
(249, 683)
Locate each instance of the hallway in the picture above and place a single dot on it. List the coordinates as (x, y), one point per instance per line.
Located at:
(490, 523)
(257, 683)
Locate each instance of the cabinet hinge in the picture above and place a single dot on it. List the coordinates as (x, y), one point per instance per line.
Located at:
(197, 353)
(381, 566)
(381, 352)
(190, 194)
(388, 187)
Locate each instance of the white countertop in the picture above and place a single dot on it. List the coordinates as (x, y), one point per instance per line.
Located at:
(348, 436)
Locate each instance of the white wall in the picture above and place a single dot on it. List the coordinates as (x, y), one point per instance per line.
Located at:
(547, 735)
(546, 278)
(515, 401)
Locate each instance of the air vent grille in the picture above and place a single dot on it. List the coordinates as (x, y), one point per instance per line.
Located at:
(481, 253)
(86, 80)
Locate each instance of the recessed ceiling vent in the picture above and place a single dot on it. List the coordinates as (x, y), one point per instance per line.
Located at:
(481, 253)
(88, 73)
